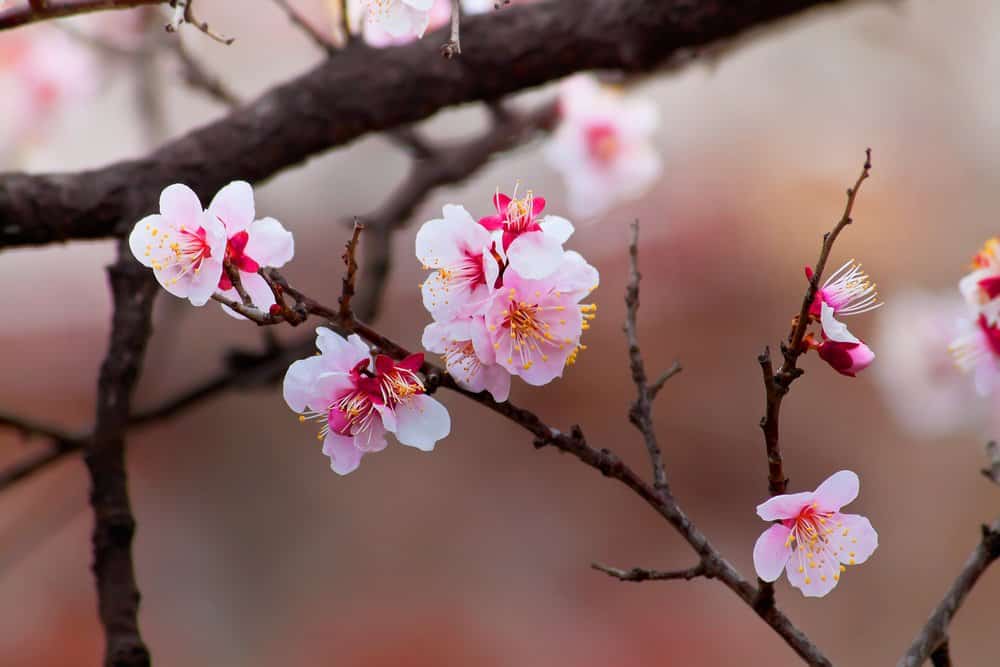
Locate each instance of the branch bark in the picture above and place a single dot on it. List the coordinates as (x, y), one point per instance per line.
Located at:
(16, 16)
(133, 291)
(524, 47)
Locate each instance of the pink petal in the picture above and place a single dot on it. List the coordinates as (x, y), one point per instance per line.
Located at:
(199, 287)
(535, 254)
(421, 422)
(537, 205)
(344, 456)
(556, 227)
(771, 552)
(501, 202)
(815, 576)
(492, 222)
(233, 206)
(496, 380)
(839, 489)
(854, 539)
(786, 506)
(308, 384)
(141, 238)
(270, 243)
(179, 203)
(340, 354)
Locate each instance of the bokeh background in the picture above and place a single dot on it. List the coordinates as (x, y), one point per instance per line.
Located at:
(251, 552)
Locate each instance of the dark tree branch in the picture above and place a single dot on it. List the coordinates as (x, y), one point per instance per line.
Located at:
(641, 574)
(133, 291)
(941, 657)
(39, 10)
(934, 634)
(525, 47)
(776, 384)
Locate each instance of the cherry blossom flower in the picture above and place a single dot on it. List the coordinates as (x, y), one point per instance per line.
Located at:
(456, 246)
(356, 405)
(844, 351)
(976, 350)
(922, 385)
(533, 245)
(848, 291)
(469, 357)
(251, 243)
(981, 287)
(602, 146)
(182, 244)
(401, 19)
(813, 540)
(535, 325)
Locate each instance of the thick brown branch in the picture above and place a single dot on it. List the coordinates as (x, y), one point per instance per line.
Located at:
(642, 574)
(524, 47)
(934, 634)
(19, 15)
(133, 290)
(776, 384)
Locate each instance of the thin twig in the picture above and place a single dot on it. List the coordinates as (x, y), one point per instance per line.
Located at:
(351, 264)
(311, 32)
(655, 388)
(184, 13)
(453, 46)
(640, 413)
(642, 574)
(935, 631)
(776, 384)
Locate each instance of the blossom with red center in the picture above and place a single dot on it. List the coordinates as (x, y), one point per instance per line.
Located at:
(848, 291)
(465, 346)
(976, 350)
(535, 325)
(250, 245)
(356, 405)
(813, 541)
(457, 248)
(846, 353)
(182, 244)
(603, 145)
(981, 287)
(533, 245)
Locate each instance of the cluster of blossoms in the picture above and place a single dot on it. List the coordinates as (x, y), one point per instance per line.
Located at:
(976, 349)
(505, 296)
(848, 291)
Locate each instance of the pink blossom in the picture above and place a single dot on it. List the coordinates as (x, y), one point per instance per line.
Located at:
(182, 244)
(457, 248)
(251, 243)
(976, 350)
(398, 21)
(533, 245)
(603, 145)
(981, 287)
(356, 405)
(848, 291)
(813, 540)
(468, 353)
(846, 358)
(535, 325)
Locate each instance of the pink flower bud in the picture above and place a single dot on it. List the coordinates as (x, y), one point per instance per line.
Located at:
(846, 358)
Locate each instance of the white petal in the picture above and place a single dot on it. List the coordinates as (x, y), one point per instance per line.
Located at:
(421, 422)
(344, 456)
(833, 329)
(233, 205)
(535, 254)
(556, 227)
(270, 244)
(179, 203)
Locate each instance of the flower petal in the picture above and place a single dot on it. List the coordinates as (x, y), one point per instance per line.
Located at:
(854, 539)
(535, 254)
(233, 205)
(556, 227)
(837, 490)
(339, 353)
(833, 329)
(813, 574)
(421, 422)
(771, 552)
(270, 243)
(179, 203)
(785, 506)
(344, 456)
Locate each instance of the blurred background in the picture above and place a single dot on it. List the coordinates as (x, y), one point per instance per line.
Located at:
(251, 552)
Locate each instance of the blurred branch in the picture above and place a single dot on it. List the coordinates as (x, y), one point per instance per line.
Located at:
(993, 472)
(640, 574)
(776, 384)
(199, 78)
(934, 635)
(133, 291)
(523, 48)
(941, 657)
(305, 26)
(43, 10)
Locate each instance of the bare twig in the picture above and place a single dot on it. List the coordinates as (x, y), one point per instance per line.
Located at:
(934, 634)
(311, 32)
(39, 10)
(184, 13)
(118, 597)
(453, 46)
(776, 384)
(641, 574)
(351, 265)
(655, 388)
(640, 413)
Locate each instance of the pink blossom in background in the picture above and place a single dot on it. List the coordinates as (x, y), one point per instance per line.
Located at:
(976, 350)
(813, 541)
(251, 243)
(392, 22)
(182, 244)
(357, 404)
(981, 287)
(924, 389)
(603, 145)
(533, 245)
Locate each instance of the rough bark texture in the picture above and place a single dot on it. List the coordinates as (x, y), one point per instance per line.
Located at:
(362, 90)
(133, 290)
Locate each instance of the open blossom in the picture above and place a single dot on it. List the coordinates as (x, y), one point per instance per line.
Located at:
(848, 291)
(535, 325)
(401, 19)
(251, 243)
(981, 287)
(456, 247)
(468, 353)
(602, 146)
(187, 246)
(356, 404)
(813, 540)
(182, 244)
(533, 245)
(976, 350)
